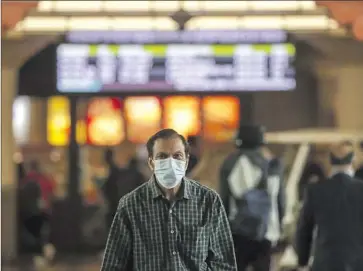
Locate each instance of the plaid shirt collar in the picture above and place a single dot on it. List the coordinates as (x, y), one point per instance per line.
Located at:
(184, 192)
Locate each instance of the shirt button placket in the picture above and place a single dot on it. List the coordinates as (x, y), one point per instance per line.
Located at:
(172, 235)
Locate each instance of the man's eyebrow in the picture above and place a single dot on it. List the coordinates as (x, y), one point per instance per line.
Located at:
(158, 153)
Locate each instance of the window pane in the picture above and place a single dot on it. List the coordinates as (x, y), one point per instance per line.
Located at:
(182, 113)
(221, 117)
(105, 124)
(143, 116)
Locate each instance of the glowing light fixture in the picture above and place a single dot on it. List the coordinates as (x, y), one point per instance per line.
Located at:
(21, 119)
(316, 22)
(62, 24)
(144, 23)
(224, 5)
(143, 116)
(281, 5)
(95, 15)
(126, 5)
(214, 23)
(89, 23)
(172, 6)
(182, 113)
(42, 24)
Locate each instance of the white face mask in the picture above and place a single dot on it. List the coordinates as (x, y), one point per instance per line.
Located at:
(169, 172)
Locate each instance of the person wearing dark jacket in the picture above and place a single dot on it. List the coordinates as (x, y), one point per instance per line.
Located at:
(335, 209)
(111, 186)
(194, 153)
(132, 179)
(312, 173)
(119, 182)
(240, 173)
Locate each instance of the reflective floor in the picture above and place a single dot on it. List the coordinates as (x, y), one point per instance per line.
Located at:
(65, 264)
(75, 263)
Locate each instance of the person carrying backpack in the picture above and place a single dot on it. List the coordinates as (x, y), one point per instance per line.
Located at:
(252, 191)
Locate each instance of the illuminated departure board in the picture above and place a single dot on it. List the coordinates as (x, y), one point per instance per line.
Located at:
(175, 67)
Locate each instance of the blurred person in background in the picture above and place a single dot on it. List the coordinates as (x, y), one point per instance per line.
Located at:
(359, 172)
(171, 222)
(312, 173)
(110, 187)
(142, 159)
(335, 208)
(251, 187)
(194, 155)
(36, 193)
(21, 171)
(119, 182)
(133, 177)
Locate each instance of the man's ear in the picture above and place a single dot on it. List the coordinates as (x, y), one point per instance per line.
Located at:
(150, 162)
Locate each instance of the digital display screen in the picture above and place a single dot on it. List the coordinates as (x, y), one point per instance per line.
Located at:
(175, 67)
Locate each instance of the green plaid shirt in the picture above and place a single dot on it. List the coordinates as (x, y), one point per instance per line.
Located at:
(149, 233)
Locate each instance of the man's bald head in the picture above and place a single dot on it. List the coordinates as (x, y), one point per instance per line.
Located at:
(342, 153)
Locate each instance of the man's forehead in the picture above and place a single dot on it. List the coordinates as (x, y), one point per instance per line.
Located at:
(169, 144)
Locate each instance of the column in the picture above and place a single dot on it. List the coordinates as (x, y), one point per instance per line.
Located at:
(38, 122)
(8, 169)
(349, 98)
(328, 78)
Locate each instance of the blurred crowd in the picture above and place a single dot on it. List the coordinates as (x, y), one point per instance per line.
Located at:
(252, 190)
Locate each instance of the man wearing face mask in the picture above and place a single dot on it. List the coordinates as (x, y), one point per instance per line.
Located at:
(170, 222)
(335, 208)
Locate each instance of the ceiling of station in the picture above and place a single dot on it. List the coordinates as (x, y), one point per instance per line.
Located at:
(324, 23)
(44, 17)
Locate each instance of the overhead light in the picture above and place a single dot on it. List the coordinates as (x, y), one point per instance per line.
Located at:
(262, 22)
(173, 6)
(310, 23)
(46, 24)
(45, 6)
(164, 23)
(126, 5)
(192, 6)
(167, 6)
(224, 5)
(215, 23)
(144, 23)
(281, 5)
(69, 6)
(62, 24)
(319, 22)
(90, 23)
(307, 5)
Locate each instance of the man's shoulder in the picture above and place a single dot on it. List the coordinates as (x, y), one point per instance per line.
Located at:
(347, 181)
(133, 196)
(201, 190)
(358, 183)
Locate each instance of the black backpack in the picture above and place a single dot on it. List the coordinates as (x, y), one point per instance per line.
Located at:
(253, 209)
